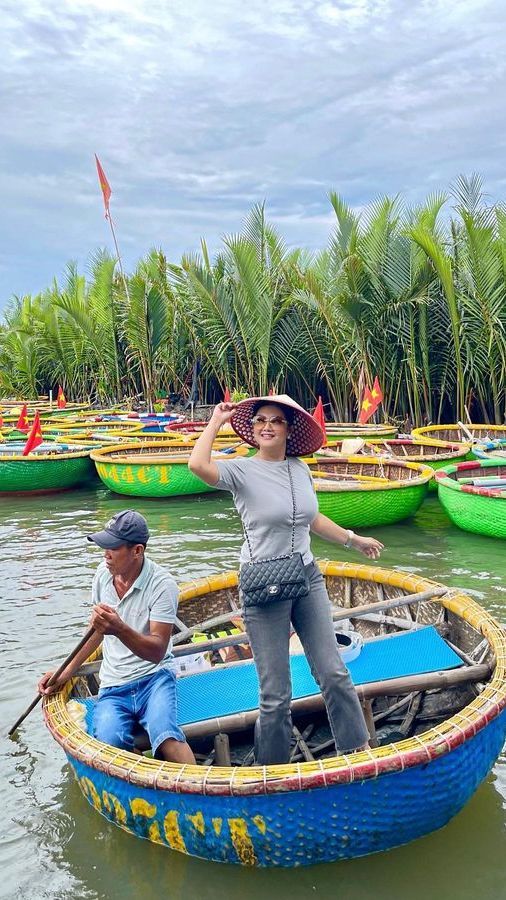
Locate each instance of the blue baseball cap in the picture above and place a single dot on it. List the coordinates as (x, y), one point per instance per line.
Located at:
(126, 527)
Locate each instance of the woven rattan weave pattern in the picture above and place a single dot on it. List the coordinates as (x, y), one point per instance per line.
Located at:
(365, 504)
(151, 469)
(480, 510)
(41, 474)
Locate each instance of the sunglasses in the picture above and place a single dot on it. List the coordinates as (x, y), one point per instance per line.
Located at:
(272, 420)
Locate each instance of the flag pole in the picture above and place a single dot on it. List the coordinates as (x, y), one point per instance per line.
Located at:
(118, 255)
(105, 187)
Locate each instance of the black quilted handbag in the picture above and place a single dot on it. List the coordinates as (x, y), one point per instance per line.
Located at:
(279, 578)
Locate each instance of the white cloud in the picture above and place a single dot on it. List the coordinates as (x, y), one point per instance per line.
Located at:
(198, 110)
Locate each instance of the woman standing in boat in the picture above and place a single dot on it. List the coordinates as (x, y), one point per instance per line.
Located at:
(274, 495)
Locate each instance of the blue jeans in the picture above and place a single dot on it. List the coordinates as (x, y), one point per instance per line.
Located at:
(150, 702)
(268, 628)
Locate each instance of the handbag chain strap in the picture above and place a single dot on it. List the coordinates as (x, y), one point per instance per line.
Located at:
(294, 513)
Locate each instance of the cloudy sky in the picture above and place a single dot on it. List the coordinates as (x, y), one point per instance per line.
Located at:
(198, 109)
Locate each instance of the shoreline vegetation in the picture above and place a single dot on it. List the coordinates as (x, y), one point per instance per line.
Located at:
(415, 296)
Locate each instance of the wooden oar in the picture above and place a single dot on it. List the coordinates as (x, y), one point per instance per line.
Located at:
(465, 430)
(379, 449)
(54, 677)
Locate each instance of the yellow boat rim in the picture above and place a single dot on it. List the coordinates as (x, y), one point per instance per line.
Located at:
(424, 473)
(357, 766)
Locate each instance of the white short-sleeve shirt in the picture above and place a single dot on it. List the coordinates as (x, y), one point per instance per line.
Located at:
(152, 597)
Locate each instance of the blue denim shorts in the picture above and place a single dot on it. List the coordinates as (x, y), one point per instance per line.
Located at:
(149, 702)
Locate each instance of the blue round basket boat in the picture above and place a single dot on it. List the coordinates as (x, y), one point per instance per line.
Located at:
(327, 808)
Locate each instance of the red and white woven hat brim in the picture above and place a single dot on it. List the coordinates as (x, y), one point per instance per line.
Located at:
(305, 436)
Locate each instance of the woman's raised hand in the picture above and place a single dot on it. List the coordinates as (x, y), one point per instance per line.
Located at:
(369, 546)
(223, 412)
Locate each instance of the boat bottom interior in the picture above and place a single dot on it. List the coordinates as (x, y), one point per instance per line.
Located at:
(414, 664)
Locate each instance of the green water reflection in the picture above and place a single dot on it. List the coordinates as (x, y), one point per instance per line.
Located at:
(53, 845)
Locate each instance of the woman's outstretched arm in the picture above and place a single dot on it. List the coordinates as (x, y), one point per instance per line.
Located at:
(326, 528)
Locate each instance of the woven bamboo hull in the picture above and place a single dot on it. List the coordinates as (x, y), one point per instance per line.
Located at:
(151, 480)
(456, 433)
(301, 814)
(305, 827)
(365, 509)
(338, 431)
(364, 505)
(150, 468)
(474, 511)
(429, 453)
(34, 476)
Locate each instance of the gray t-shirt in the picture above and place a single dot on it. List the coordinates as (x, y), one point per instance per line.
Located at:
(263, 499)
(152, 597)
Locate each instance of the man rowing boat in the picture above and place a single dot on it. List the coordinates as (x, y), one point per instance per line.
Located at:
(135, 605)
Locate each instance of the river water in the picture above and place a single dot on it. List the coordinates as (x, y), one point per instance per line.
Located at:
(54, 845)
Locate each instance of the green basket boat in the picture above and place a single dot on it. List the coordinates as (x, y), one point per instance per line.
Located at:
(363, 491)
(338, 431)
(435, 454)
(51, 467)
(170, 438)
(479, 508)
(12, 408)
(66, 429)
(152, 469)
(13, 435)
(457, 433)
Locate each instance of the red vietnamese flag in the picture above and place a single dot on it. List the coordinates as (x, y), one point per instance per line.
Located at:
(367, 407)
(319, 416)
(1, 419)
(226, 396)
(104, 185)
(377, 393)
(35, 436)
(61, 400)
(22, 423)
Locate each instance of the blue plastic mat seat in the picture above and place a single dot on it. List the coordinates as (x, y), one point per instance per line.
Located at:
(222, 692)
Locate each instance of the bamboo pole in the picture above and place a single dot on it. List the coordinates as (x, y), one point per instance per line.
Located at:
(120, 264)
(340, 615)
